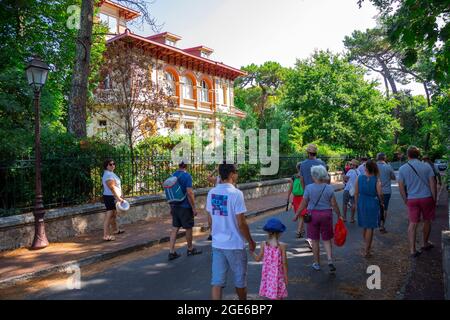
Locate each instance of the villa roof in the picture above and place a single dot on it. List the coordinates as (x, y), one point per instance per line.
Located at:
(180, 57)
(125, 12)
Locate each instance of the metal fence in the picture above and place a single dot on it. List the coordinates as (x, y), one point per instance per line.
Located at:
(77, 180)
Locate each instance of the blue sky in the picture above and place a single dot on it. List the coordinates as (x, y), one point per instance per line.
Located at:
(254, 31)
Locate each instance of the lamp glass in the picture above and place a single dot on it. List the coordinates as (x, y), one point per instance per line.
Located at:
(37, 72)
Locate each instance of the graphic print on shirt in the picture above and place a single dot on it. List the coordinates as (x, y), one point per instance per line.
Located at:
(219, 205)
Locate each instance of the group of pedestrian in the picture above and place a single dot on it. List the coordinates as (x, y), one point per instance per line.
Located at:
(367, 192)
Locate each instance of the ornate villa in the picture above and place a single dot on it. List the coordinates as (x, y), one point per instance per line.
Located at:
(200, 86)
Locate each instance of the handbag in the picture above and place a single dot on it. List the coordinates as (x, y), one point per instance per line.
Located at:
(307, 218)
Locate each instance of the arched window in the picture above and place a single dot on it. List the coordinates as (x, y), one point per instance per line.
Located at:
(188, 88)
(205, 91)
(170, 82)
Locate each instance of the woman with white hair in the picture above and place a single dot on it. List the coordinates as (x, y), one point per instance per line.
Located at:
(320, 201)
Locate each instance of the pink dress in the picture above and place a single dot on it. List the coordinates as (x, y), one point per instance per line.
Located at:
(272, 277)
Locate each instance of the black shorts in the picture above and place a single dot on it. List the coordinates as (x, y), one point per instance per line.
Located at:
(110, 202)
(182, 217)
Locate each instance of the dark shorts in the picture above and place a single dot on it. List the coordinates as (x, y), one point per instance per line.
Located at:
(386, 199)
(182, 217)
(110, 202)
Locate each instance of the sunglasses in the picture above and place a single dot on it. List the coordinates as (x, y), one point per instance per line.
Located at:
(111, 164)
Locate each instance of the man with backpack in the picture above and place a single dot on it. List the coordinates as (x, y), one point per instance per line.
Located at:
(297, 186)
(418, 178)
(180, 196)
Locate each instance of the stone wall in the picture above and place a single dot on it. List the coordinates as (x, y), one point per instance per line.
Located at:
(18, 231)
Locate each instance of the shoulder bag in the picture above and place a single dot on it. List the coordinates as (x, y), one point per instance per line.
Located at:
(307, 218)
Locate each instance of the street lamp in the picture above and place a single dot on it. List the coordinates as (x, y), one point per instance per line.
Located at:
(37, 71)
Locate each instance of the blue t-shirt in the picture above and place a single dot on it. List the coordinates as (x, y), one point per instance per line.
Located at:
(417, 188)
(305, 169)
(312, 194)
(185, 181)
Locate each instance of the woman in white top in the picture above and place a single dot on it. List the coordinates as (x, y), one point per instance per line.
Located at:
(112, 193)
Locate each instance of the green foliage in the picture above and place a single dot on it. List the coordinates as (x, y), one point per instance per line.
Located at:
(419, 25)
(334, 105)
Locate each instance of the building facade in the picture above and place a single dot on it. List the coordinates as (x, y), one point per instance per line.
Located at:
(201, 87)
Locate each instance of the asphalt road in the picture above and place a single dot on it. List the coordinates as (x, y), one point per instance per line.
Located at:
(153, 277)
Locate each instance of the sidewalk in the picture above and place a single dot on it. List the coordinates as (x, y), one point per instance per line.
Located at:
(24, 264)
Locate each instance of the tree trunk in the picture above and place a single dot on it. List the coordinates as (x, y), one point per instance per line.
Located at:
(79, 89)
(387, 86)
(388, 76)
(427, 92)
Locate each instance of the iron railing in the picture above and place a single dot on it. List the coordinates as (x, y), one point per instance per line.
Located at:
(77, 180)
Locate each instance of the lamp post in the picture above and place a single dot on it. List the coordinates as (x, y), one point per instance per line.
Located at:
(37, 72)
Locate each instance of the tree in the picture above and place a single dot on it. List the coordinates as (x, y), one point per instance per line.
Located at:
(372, 50)
(419, 25)
(263, 83)
(336, 105)
(79, 88)
(131, 101)
(32, 28)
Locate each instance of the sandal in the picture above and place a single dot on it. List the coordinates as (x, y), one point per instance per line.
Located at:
(415, 254)
(193, 252)
(300, 235)
(119, 231)
(173, 255)
(353, 221)
(383, 230)
(109, 238)
(429, 246)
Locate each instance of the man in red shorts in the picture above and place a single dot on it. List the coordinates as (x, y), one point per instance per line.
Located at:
(419, 196)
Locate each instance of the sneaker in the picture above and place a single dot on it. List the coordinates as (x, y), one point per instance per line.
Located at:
(316, 266)
(209, 238)
(332, 268)
(193, 252)
(173, 256)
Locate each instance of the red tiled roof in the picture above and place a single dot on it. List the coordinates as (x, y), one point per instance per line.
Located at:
(202, 48)
(127, 13)
(207, 64)
(164, 34)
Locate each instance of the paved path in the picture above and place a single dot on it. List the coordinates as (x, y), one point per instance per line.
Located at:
(23, 261)
(153, 277)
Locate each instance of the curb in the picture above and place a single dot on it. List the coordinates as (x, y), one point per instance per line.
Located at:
(67, 267)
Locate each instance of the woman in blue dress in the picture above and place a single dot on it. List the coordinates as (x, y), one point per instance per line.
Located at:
(368, 194)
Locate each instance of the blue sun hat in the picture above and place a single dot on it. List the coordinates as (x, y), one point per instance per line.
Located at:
(274, 225)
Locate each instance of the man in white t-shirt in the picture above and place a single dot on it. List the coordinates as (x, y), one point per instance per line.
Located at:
(229, 230)
(349, 190)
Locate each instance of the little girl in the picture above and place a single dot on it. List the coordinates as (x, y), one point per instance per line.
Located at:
(274, 276)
